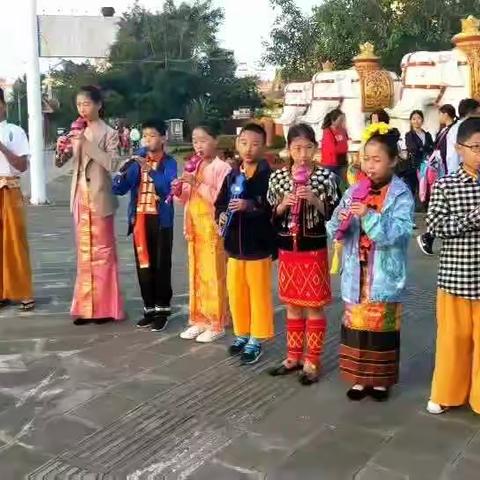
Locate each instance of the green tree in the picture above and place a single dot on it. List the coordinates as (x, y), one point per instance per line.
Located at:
(335, 28)
(160, 63)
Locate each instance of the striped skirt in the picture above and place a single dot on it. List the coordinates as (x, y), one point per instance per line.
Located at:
(370, 344)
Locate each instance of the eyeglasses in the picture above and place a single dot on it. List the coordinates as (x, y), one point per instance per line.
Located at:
(474, 148)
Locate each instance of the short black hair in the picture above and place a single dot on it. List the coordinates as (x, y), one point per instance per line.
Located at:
(467, 106)
(256, 128)
(467, 128)
(301, 130)
(156, 124)
(389, 141)
(382, 115)
(2, 96)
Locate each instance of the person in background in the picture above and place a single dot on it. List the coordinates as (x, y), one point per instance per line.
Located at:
(380, 116)
(150, 219)
(15, 269)
(466, 107)
(448, 118)
(335, 144)
(97, 296)
(206, 254)
(374, 271)
(135, 138)
(454, 216)
(419, 145)
(249, 242)
(303, 273)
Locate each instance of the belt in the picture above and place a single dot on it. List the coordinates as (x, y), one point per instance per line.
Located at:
(9, 182)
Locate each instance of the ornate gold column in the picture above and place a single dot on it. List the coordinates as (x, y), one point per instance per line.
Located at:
(468, 41)
(376, 84)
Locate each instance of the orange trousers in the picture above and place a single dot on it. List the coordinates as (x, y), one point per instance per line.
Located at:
(249, 285)
(456, 379)
(15, 270)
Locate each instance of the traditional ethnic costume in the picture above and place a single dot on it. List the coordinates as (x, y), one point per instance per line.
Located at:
(303, 274)
(454, 216)
(150, 220)
(97, 291)
(15, 269)
(206, 254)
(249, 243)
(373, 279)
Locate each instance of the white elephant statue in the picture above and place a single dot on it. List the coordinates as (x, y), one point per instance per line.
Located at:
(345, 89)
(298, 97)
(429, 80)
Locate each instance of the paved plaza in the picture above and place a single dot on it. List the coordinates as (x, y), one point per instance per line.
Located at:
(112, 402)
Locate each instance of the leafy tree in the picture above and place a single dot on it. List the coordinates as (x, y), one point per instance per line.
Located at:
(335, 28)
(160, 63)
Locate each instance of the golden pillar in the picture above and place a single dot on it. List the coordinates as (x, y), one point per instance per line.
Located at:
(468, 41)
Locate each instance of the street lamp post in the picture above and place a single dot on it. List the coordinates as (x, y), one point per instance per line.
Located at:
(38, 192)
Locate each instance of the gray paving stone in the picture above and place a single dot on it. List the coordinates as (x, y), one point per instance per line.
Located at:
(465, 468)
(374, 472)
(424, 447)
(253, 452)
(17, 461)
(335, 453)
(57, 434)
(104, 409)
(144, 387)
(213, 471)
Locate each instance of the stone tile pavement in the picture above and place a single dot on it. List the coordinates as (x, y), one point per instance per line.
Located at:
(112, 402)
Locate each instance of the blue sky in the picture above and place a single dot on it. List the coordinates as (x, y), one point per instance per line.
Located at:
(247, 24)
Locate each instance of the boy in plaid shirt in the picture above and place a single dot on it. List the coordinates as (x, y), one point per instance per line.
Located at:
(454, 216)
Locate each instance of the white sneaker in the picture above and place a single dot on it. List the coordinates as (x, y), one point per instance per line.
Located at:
(435, 408)
(209, 336)
(191, 333)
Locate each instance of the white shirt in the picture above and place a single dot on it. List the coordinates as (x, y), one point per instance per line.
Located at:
(453, 159)
(15, 139)
(134, 135)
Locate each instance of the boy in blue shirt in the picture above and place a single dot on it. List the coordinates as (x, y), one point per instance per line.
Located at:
(150, 219)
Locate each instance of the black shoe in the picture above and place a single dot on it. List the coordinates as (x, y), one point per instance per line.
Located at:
(4, 303)
(236, 348)
(102, 321)
(146, 321)
(306, 379)
(159, 323)
(379, 395)
(82, 321)
(425, 244)
(282, 370)
(356, 395)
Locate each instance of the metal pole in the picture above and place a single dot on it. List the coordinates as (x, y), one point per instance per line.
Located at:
(38, 191)
(19, 108)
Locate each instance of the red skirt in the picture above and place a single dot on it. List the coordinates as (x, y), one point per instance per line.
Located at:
(304, 278)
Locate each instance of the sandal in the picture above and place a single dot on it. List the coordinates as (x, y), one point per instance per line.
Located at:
(27, 306)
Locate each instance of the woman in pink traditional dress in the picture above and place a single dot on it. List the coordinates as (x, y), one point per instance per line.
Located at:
(97, 297)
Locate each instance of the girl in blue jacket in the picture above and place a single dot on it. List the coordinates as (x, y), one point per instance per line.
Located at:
(374, 269)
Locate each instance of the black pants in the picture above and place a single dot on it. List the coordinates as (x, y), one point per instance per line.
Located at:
(156, 280)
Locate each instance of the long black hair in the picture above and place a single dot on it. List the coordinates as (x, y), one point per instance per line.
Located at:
(449, 110)
(301, 130)
(95, 95)
(331, 117)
